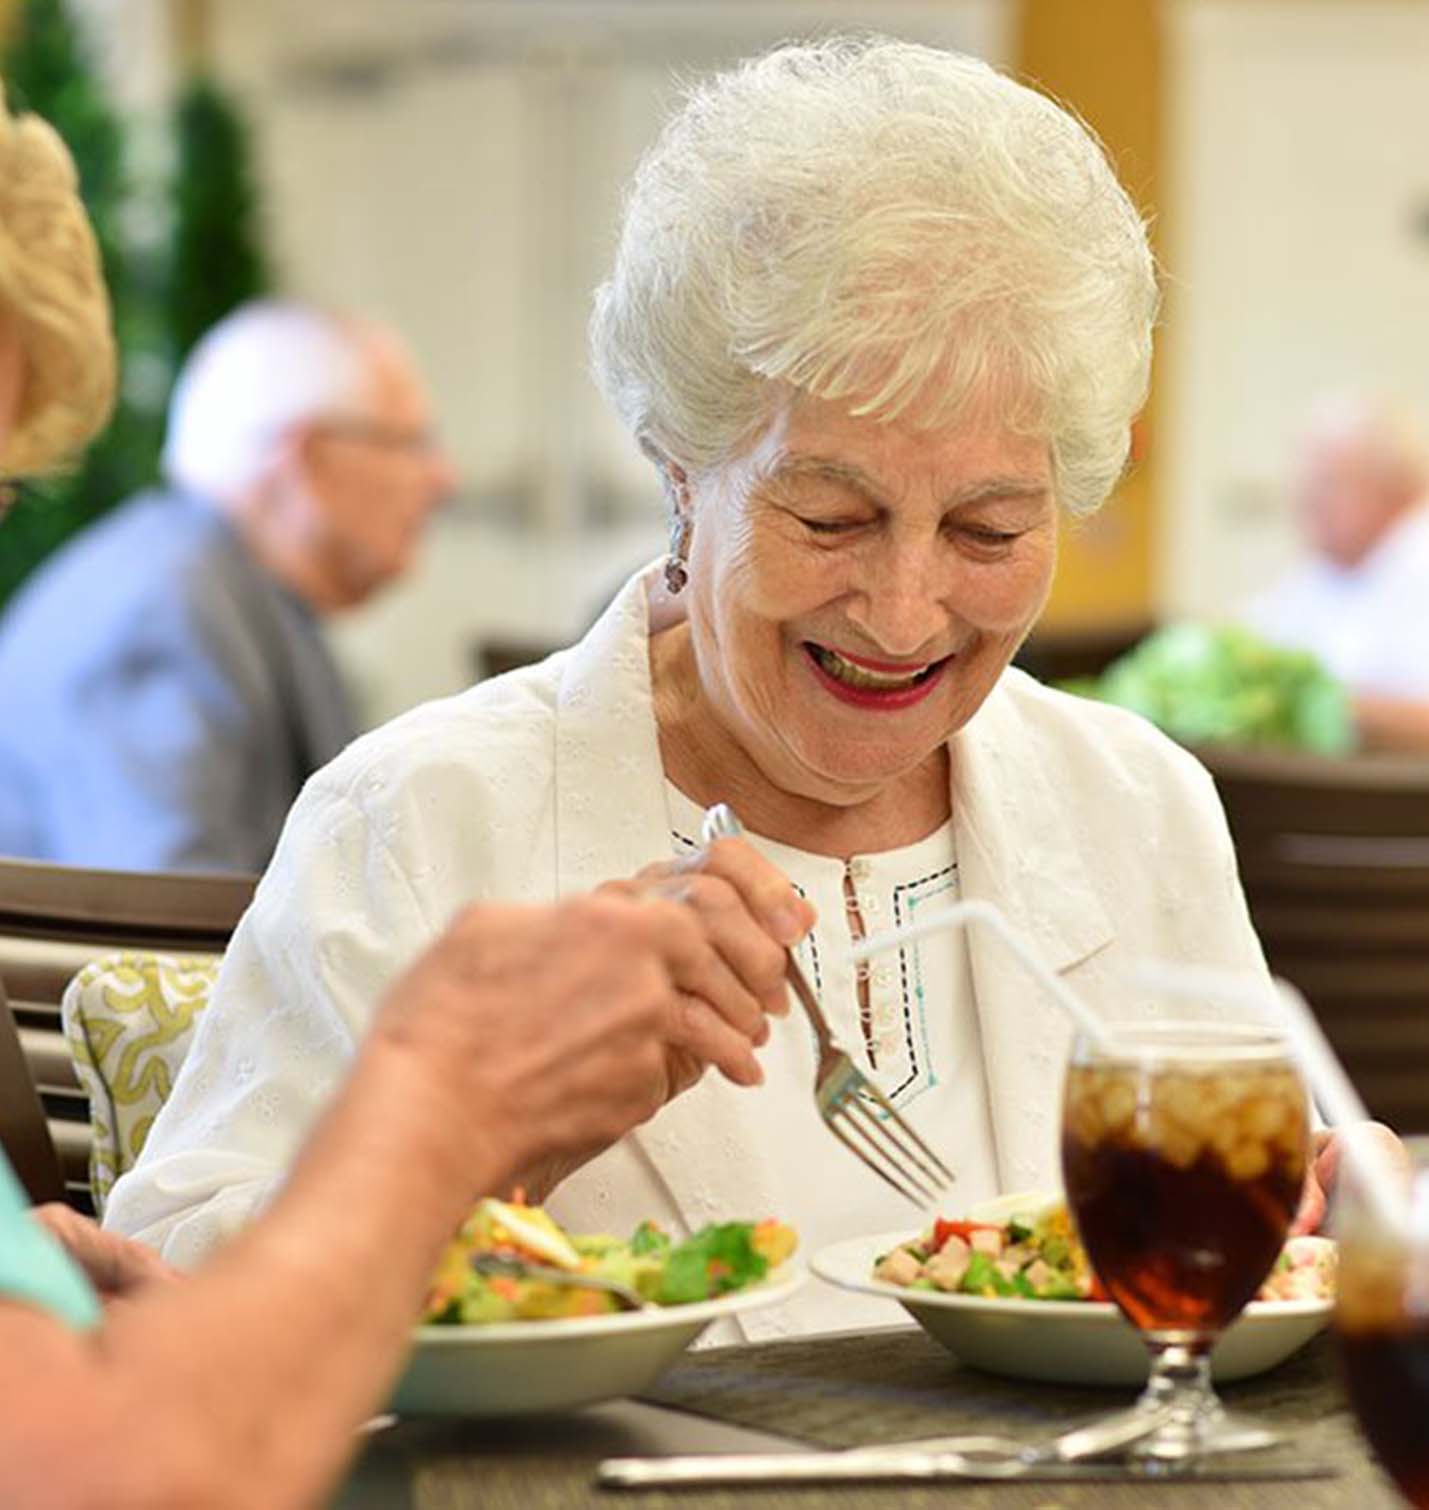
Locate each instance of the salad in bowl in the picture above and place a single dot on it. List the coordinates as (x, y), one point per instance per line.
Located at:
(1009, 1289)
(501, 1339)
(1027, 1248)
(717, 1260)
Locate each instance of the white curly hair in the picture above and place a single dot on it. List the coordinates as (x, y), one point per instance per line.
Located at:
(52, 286)
(896, 227)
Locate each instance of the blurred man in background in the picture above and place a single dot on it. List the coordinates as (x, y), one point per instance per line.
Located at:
(1361, 603)
(164, 684)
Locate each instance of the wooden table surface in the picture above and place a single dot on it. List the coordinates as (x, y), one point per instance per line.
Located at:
(841, 1392)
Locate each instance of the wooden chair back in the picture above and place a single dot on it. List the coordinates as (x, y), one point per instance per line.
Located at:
(54, 919)
(1334, 857)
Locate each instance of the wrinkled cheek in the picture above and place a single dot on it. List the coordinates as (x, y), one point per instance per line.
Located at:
(1011, 606)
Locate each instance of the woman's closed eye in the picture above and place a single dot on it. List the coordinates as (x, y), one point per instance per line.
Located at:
(986, 540)
(830, 526)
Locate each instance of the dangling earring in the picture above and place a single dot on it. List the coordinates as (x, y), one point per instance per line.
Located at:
(677, 574)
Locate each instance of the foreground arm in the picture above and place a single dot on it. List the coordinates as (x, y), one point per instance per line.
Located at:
(525, 1033)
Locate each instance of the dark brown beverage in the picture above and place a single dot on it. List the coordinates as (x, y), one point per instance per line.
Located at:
(1384, 1346)
(1183, 1183)
(1387, 1373)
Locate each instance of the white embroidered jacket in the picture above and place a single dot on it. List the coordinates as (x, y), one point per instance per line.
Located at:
(1098, 838)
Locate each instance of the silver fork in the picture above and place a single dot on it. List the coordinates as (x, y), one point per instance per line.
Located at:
(520, 1268)
(852, 1107)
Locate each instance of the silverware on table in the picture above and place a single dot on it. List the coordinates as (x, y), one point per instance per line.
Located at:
(1080, 1453)
(852, 1107)
(519, 1268)
(982, 1456)
(860, 1466)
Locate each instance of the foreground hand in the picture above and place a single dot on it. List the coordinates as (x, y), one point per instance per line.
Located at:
(750, 914)
(549, 1032)
(1324, 1169)
(116, 1266)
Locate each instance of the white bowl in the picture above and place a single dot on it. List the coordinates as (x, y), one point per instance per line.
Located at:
(1065, 1341)
(518, 1368)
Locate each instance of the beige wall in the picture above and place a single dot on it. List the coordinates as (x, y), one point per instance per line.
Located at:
(1297, 249)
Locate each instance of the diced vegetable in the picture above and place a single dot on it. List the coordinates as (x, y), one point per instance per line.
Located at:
(943, 1230)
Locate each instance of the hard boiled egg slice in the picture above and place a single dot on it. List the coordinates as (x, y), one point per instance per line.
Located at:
(533, 1232)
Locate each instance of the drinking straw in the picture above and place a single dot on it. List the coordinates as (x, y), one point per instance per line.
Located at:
(959, 915)
(1288, 1010)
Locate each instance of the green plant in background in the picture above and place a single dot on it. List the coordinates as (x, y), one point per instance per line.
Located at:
(172, 269)
(1206, 685)
(218, 260)
(47, 70)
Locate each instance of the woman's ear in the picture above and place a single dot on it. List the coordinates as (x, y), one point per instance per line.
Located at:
(673, 478)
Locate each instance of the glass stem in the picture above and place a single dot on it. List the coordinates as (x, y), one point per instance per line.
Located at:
(1180, 1383)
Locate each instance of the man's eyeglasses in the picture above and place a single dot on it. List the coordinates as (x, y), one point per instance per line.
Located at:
(371, 432)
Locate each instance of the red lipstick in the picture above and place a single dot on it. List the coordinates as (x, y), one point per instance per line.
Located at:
(879, 699)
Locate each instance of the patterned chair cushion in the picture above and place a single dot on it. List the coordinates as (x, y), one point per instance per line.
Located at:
(129, 1018)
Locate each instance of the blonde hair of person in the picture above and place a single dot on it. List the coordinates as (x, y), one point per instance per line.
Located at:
(888, 225)
(52, 287)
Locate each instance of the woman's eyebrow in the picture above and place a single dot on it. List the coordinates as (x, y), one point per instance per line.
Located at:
(997, 487)
(850, 476)
(826, 469)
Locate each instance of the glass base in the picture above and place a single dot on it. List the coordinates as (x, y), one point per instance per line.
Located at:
(1185, 1437)
(1194, 1423)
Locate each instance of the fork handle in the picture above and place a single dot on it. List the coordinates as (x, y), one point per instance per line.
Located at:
(721, 822)
(810, 1003)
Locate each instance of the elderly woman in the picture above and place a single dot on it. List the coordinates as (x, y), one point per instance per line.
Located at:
(880, 317)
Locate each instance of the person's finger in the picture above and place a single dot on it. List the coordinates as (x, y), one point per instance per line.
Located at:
(699, 969)
(133, 1266)
(700, 1031)
(115, 1265)
(767, 892)
(1312, 1207)
(745, 946)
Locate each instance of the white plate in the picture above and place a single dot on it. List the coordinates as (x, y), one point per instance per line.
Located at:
(519, 1368)
(1069, 1341)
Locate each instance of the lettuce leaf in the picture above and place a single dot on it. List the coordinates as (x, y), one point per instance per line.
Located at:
(717, 1259)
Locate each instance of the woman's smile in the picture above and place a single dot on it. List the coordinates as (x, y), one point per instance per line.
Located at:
(877, 685)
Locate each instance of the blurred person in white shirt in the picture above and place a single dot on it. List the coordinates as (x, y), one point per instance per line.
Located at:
(1360, 601)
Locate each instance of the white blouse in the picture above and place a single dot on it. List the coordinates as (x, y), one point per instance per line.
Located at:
(1099, 840)
(914, 1030)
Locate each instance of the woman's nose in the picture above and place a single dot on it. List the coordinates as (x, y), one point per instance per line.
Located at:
(901, 605)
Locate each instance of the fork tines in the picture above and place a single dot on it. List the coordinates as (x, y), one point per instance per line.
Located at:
(889, 1146)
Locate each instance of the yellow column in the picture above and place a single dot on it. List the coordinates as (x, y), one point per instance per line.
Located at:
(192, 24)
(1103, 58)
(8, 9)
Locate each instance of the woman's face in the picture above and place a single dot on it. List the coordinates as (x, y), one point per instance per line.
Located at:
(856, 588)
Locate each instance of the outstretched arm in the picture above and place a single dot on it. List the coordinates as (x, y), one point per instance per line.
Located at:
(525, 1033)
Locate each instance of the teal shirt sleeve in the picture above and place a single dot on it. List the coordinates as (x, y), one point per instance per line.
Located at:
(33, 1266)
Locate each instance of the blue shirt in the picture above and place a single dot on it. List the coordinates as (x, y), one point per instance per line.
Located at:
(164, 698)
(33, 1266)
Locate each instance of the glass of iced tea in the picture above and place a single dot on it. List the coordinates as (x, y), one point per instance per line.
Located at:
(1382, 1318)
(1184, 1149)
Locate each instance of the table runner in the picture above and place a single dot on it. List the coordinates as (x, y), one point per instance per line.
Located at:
(839, 1392)
(864, 1388)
